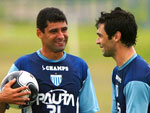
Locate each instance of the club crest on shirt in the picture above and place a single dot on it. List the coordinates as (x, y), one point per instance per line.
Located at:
(56, 79)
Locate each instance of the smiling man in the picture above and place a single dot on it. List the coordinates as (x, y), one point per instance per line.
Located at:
(64, 80)
(117, 33)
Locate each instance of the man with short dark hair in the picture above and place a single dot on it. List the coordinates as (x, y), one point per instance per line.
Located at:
(117, 33)
(65, 84)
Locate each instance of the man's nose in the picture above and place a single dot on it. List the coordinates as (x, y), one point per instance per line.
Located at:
(98, 40)
(60, 34)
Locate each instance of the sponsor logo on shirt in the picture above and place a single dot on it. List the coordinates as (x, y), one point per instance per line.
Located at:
(54, 99)
(118, 79)
(55, 68)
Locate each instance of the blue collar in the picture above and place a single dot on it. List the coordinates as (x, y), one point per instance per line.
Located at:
(124, 65)
(50, 60)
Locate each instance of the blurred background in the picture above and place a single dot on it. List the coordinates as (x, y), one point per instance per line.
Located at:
(18, 35)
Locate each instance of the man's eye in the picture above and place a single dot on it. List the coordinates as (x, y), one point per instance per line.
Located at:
(53, 31)
(64, 29)
(100, 35)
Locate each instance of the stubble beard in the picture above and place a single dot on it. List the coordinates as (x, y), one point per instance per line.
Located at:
(108, 53)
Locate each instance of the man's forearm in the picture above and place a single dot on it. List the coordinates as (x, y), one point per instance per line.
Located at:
(2, 107)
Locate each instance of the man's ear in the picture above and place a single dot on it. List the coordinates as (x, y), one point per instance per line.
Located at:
(39, 33)
(117, 36)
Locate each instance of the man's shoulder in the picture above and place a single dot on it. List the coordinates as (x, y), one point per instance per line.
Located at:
(31, 55)
(75, 58)
(27, 57)
(139, 70)
(77, 62)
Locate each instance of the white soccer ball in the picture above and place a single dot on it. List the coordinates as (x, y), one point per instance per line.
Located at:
(23, 78)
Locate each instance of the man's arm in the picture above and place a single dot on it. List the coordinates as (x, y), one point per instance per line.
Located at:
(2, 107)
(137, 95)
(114, 108)
(88, 100)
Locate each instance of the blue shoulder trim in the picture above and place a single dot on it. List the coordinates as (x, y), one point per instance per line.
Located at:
(131, 59)
(13, 68)
(50, 60)
(113, 107)
(137, 95)
(88, 91)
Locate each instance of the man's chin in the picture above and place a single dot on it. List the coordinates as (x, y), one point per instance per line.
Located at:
(107, 55)
(59, 50)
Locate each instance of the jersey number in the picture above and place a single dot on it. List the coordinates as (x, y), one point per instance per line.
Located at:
(118, 108)
(54, 108)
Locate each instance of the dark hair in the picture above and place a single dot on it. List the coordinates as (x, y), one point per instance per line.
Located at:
(119, 20)
(49, 15)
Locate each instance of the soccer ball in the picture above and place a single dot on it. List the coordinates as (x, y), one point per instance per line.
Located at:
(23, 78)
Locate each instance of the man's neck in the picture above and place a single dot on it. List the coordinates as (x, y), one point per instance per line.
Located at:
(51, 55)
(123, 55)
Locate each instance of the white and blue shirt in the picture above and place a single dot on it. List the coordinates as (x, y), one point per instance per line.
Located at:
(131, 87)
(65, 85)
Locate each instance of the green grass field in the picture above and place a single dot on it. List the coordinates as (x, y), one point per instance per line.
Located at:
(19, 39)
